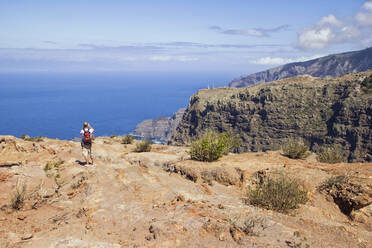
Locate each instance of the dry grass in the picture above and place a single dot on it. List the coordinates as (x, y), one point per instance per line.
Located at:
(143, 146)
(331, 155)
(18, 196)
(128, 139)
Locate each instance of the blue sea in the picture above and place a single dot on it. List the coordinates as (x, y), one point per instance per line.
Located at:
(56, 104)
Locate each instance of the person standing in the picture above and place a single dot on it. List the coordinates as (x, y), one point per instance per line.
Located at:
(86, 142)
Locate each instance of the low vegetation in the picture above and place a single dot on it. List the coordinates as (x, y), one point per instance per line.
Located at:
(143, 146)
(51, 165)
(330, 155)
(18, 196)
(32, 139)
(343, 191)
(212, 146)
(298, 241)
(128, 139)
(295, 149)
(113, 136)
(278, 192)
(334, 182)
(51, 169)
(367, 84)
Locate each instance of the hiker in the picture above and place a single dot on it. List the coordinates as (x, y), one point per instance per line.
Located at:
(86, 142)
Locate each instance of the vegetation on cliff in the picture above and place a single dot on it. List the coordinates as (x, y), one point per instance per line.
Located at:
(322, 112)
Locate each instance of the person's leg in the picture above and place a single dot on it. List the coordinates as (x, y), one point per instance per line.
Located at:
(85, 154)
(90, 154)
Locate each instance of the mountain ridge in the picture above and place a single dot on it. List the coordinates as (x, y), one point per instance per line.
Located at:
(328, 66)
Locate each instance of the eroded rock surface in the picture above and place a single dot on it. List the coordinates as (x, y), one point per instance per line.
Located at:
(163, 199)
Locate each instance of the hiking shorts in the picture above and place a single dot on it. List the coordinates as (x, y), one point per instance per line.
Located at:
(86, 149)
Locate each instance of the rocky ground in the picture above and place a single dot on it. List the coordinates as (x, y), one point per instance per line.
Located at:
(163, 199)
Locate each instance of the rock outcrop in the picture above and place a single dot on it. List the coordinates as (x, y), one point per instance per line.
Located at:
(160, 128)
(328, 66)
(322, 112)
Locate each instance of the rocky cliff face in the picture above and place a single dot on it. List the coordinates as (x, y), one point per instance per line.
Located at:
(328, 66)
(323, 112)
(160, 128)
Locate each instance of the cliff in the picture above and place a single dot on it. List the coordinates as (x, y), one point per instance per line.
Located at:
(163, 199)
(328, 66)
(323, 112)
(160, 128)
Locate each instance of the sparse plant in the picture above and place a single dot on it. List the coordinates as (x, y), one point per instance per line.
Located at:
(32, 139)
(331, 155)
(278, 192)
(334, 181)
(295, 149)
(19, 196)
(298, 241)
(231, 142)
(128, 139)
(367, 84)
(212, 146)
(143, 146)
(51, 166)
(113, 136)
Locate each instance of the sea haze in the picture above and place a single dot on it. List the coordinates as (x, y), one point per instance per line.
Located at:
(56, 104)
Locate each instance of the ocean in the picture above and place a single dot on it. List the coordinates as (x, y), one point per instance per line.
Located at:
(56, 104)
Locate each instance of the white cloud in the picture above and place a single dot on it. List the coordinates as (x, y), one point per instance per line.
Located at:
(281, 61)
(368, 5)
(364, 18)
(249, 32)
(315, 38)
(166, 58)
(348, 33)
(330, 30)
(160, 58)
(257, 32)
(330, 20)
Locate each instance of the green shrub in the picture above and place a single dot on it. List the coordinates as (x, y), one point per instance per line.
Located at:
(143, 146)
(113, 136)
(18, 197)
(279, 193)
(295, 149)
(231, 142)
(331, 155)
(128, 139)
(213, 146)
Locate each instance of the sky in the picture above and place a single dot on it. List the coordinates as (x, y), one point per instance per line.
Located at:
(237, 36)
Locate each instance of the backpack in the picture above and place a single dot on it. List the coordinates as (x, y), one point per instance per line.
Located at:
(86, 138)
